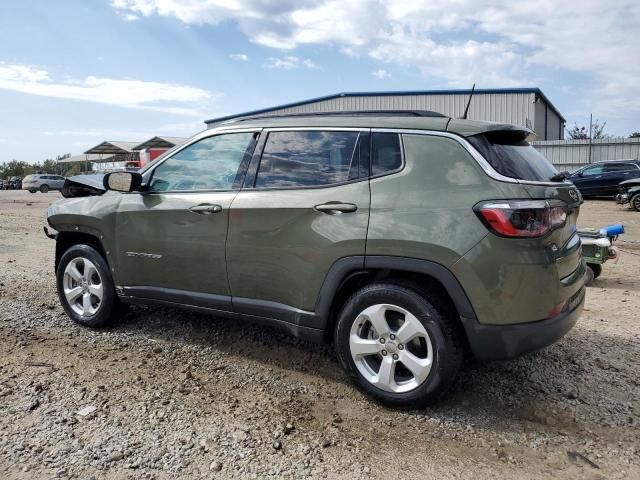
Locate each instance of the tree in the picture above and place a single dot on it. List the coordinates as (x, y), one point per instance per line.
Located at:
(17, 168)
(582, 133)
(635, 135)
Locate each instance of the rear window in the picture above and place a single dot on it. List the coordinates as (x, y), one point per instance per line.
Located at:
(512, 156)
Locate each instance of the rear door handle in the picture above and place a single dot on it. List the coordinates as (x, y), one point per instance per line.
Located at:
(333, 208)
(206, 209)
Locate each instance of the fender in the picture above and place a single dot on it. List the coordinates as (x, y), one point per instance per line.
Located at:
(347, 265)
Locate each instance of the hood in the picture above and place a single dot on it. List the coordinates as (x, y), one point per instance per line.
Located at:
(629, 183)
(83, 186)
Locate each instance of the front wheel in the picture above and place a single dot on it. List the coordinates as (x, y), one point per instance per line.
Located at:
(32, 190)
(635, 202)
(85, 287)
(396, 346)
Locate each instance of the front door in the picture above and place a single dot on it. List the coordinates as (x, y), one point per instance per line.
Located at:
(171, 239)
(305, 208)
(589, 180)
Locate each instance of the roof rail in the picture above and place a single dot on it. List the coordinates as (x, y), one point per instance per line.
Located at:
(351, 113)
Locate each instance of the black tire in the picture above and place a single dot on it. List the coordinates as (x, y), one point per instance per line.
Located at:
(44, 188)
(446, 336)
(32, 190)
(109, 308)
(596, 269)
(635, 202)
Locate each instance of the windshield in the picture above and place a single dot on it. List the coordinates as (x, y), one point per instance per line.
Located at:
(512, 156)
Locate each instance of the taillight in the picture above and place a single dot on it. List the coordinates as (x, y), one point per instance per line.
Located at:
(522, 218)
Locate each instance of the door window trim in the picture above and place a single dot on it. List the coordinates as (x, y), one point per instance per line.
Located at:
(242, 168)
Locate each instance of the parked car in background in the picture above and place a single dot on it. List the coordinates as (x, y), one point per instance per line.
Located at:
(42, 182)
(601, 179)
(629, 192)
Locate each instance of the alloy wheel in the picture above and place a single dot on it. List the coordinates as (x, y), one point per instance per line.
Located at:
(391, 348)
(83, 287)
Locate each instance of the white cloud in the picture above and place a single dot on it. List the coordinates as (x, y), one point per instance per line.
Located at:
(381, 74)
(3, 140)
(289, 62)
(239, 56)
(493, 42)
(163, 97)
(131, 17)
(92, 134)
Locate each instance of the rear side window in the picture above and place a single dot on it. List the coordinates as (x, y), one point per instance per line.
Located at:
(618, 167)
(386, 153)
(512, 156)
(308, 159)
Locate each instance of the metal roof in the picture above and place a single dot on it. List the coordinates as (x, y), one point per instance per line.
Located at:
(92, 157)
(161, 142)
(113, 148)
(535, 91)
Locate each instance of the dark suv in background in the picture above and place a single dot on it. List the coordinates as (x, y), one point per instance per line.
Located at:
(405, 238)
(601, 179)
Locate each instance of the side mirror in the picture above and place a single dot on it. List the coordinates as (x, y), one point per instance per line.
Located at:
(580, 174)
(122, 181)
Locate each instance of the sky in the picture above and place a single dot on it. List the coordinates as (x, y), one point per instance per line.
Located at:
(76, 72)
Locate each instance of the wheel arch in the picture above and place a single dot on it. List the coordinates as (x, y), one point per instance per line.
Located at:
(65, 240)
(351, 273)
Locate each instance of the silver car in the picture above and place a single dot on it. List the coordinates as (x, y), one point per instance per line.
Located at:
(43, 182)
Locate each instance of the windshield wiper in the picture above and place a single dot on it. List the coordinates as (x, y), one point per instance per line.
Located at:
(559, 177)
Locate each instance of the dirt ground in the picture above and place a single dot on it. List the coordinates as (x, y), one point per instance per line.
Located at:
(184, 395)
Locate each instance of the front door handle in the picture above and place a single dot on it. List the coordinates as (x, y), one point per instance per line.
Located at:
(206, 209)
(334, 208)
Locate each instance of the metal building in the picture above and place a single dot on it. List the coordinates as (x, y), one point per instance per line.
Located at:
(528, 107)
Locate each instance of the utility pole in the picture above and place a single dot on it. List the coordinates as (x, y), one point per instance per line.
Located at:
(590, 133)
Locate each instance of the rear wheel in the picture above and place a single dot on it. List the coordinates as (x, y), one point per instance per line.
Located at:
(397, 346)
(85, 287)
(44, 188)
(635, 202)
(595, 269)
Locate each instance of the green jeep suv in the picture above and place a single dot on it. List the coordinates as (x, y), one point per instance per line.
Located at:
(405, 238)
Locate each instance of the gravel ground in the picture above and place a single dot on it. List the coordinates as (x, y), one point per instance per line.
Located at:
(170, 394)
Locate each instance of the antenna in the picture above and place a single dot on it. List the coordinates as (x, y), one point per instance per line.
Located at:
(466, 110)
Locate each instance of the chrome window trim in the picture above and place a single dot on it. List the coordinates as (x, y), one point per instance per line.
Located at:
(484, 164)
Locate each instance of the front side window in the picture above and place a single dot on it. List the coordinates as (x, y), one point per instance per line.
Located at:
(213, 163)
(597, 170)
(307, 159)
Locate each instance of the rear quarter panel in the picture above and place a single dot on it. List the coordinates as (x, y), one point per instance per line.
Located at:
(426, 210)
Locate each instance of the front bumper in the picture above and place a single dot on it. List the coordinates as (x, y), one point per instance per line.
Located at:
(622, 198)
(501, 342)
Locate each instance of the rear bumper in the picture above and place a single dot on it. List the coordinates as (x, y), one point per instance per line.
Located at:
(501, 342)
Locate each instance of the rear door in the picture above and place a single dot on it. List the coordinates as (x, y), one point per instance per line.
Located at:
(515, 158)
(305, 206)
(173, 236)
(614, 173)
